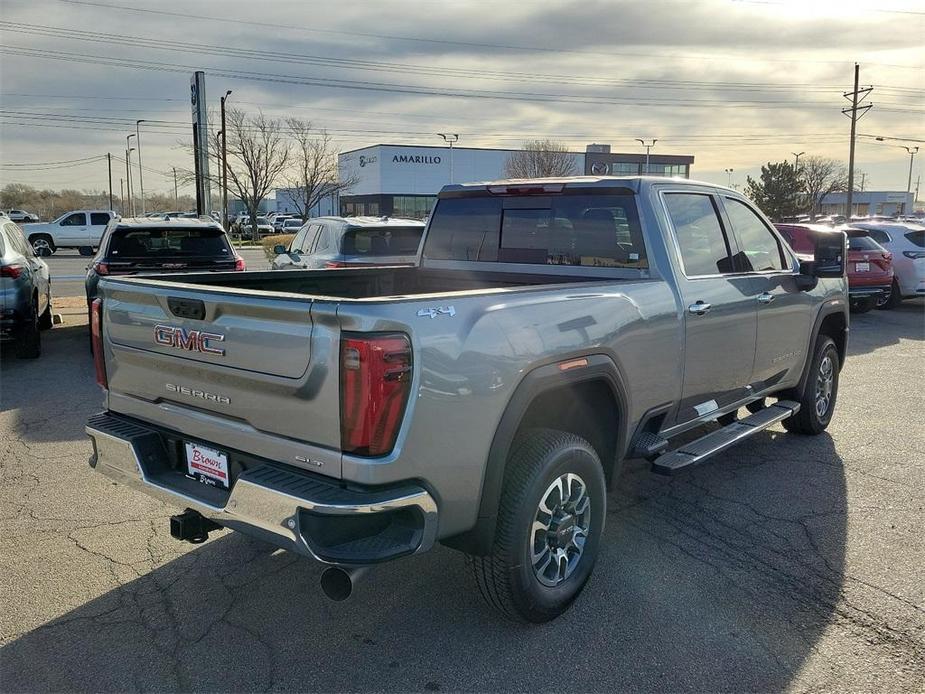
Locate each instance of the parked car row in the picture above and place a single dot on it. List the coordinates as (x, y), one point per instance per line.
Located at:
(886, 261)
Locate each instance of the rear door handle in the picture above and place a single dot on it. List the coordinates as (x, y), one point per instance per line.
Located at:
(765, 298)
(699, 308)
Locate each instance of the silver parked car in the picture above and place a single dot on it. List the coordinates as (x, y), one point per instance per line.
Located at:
(25, 292)
(328, 242)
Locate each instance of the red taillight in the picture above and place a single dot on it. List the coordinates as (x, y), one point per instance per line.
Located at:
(239, 265)
(334, 263)
(96, 340)
(375, 379)
(102, 268)
(11, 271)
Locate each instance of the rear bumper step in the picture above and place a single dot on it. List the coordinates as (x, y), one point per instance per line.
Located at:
(296, 510)
(717, 441)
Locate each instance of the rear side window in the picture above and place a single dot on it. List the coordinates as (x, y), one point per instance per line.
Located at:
(701, 239)
(863, 243)
(99, 219)
(879, 236)
(917, 238)
(381, 241)
(158, 242)
(587, 230)
(760, 249)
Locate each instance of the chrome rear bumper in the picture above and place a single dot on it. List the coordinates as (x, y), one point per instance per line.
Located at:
(290, 508)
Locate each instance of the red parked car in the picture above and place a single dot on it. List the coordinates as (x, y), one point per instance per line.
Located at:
(870, 265)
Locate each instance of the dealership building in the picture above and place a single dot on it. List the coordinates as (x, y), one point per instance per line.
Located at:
(403, 180)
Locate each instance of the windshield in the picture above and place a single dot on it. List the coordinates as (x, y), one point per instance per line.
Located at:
(159, 242)
(381, 241)
(262, 220)
(592, 230)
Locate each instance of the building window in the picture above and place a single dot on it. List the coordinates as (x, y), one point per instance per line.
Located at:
(412, 206)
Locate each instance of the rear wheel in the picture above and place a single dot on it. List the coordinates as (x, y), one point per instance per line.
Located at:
(46, 320)
(550, 523)
(42, 244)
(894, 299)
(818, 395)
(29, 344)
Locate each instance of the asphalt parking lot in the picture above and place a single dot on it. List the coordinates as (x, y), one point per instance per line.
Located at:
(787, 563)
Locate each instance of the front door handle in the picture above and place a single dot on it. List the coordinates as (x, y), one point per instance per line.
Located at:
(699, 308)
(765, 298)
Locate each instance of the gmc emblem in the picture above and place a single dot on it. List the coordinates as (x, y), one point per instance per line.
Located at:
(192, 340)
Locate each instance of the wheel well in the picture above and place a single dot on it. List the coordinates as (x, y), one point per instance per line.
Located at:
(587, 409)
(834, 326)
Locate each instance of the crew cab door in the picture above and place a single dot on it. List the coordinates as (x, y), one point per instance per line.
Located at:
(784, 311)
(719, 309)
(72, 230)
(98, 222)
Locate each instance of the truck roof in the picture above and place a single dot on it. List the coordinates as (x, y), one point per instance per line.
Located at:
(555, 185)
(370, 221)
(142, 222)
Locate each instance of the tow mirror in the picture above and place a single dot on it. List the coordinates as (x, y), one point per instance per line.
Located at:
(279, 249)
(831, 250)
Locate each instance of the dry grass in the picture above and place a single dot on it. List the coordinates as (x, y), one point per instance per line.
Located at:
(268, 242)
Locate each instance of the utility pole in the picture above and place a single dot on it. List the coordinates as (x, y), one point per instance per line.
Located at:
(863, 179)
(176, 191)
(855, 113)
(141, 180)
(912, 151)
(796, 160)
(450, 138)
(109, 165)
(648, 147)
(224, 164)
(128, 172)
(122, 193)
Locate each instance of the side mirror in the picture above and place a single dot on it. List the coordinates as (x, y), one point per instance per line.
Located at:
(279, 249)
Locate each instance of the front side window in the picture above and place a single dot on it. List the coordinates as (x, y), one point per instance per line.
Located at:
(702, 242)
(760, 250)
(78, 219)
(297, 245)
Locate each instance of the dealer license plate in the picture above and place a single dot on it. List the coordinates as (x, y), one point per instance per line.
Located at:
(862, 267)
(207, 465)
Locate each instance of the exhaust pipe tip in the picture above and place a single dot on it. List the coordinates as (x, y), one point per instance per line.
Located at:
(337, 582)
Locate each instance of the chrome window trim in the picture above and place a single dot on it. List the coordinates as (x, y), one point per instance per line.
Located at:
(676, 244)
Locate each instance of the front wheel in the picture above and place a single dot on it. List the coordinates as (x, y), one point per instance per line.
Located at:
(550, 523)
(43, 245)
(817, 397)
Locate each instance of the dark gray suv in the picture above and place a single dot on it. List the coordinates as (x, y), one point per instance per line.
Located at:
(25, 292)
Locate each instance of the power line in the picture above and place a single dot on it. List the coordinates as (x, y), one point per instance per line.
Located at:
(450, 42)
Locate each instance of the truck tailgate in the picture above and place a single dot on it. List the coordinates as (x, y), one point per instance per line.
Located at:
(250, 362)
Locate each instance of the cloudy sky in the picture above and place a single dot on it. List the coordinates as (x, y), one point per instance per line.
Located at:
(733, 82)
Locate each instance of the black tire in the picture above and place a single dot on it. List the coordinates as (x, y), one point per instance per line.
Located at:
(862, 305)
(43, 245)
(894, 300)
(506, 577)
(809, 420)
(29, 342)
(46, 320)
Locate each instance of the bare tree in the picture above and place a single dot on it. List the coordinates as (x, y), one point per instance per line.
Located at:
(258, 155)
(314, 172)
(821, 176)
(540, 159)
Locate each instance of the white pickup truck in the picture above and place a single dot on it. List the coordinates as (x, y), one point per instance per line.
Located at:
(77, 229)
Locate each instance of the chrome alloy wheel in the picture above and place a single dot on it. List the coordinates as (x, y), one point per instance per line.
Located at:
(825, 381)
(41, 247)
(560, 529)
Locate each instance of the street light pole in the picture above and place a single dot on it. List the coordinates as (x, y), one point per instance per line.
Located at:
(128, 172)
(796, 160)
(224, 164)
(141, 180)
(648, 147)
(450, 138)
(122, 193)
(729, 173)
(176, 191)
(109, 166)
(912, 151)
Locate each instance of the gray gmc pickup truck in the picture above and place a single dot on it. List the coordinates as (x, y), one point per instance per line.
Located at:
(483, 398)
